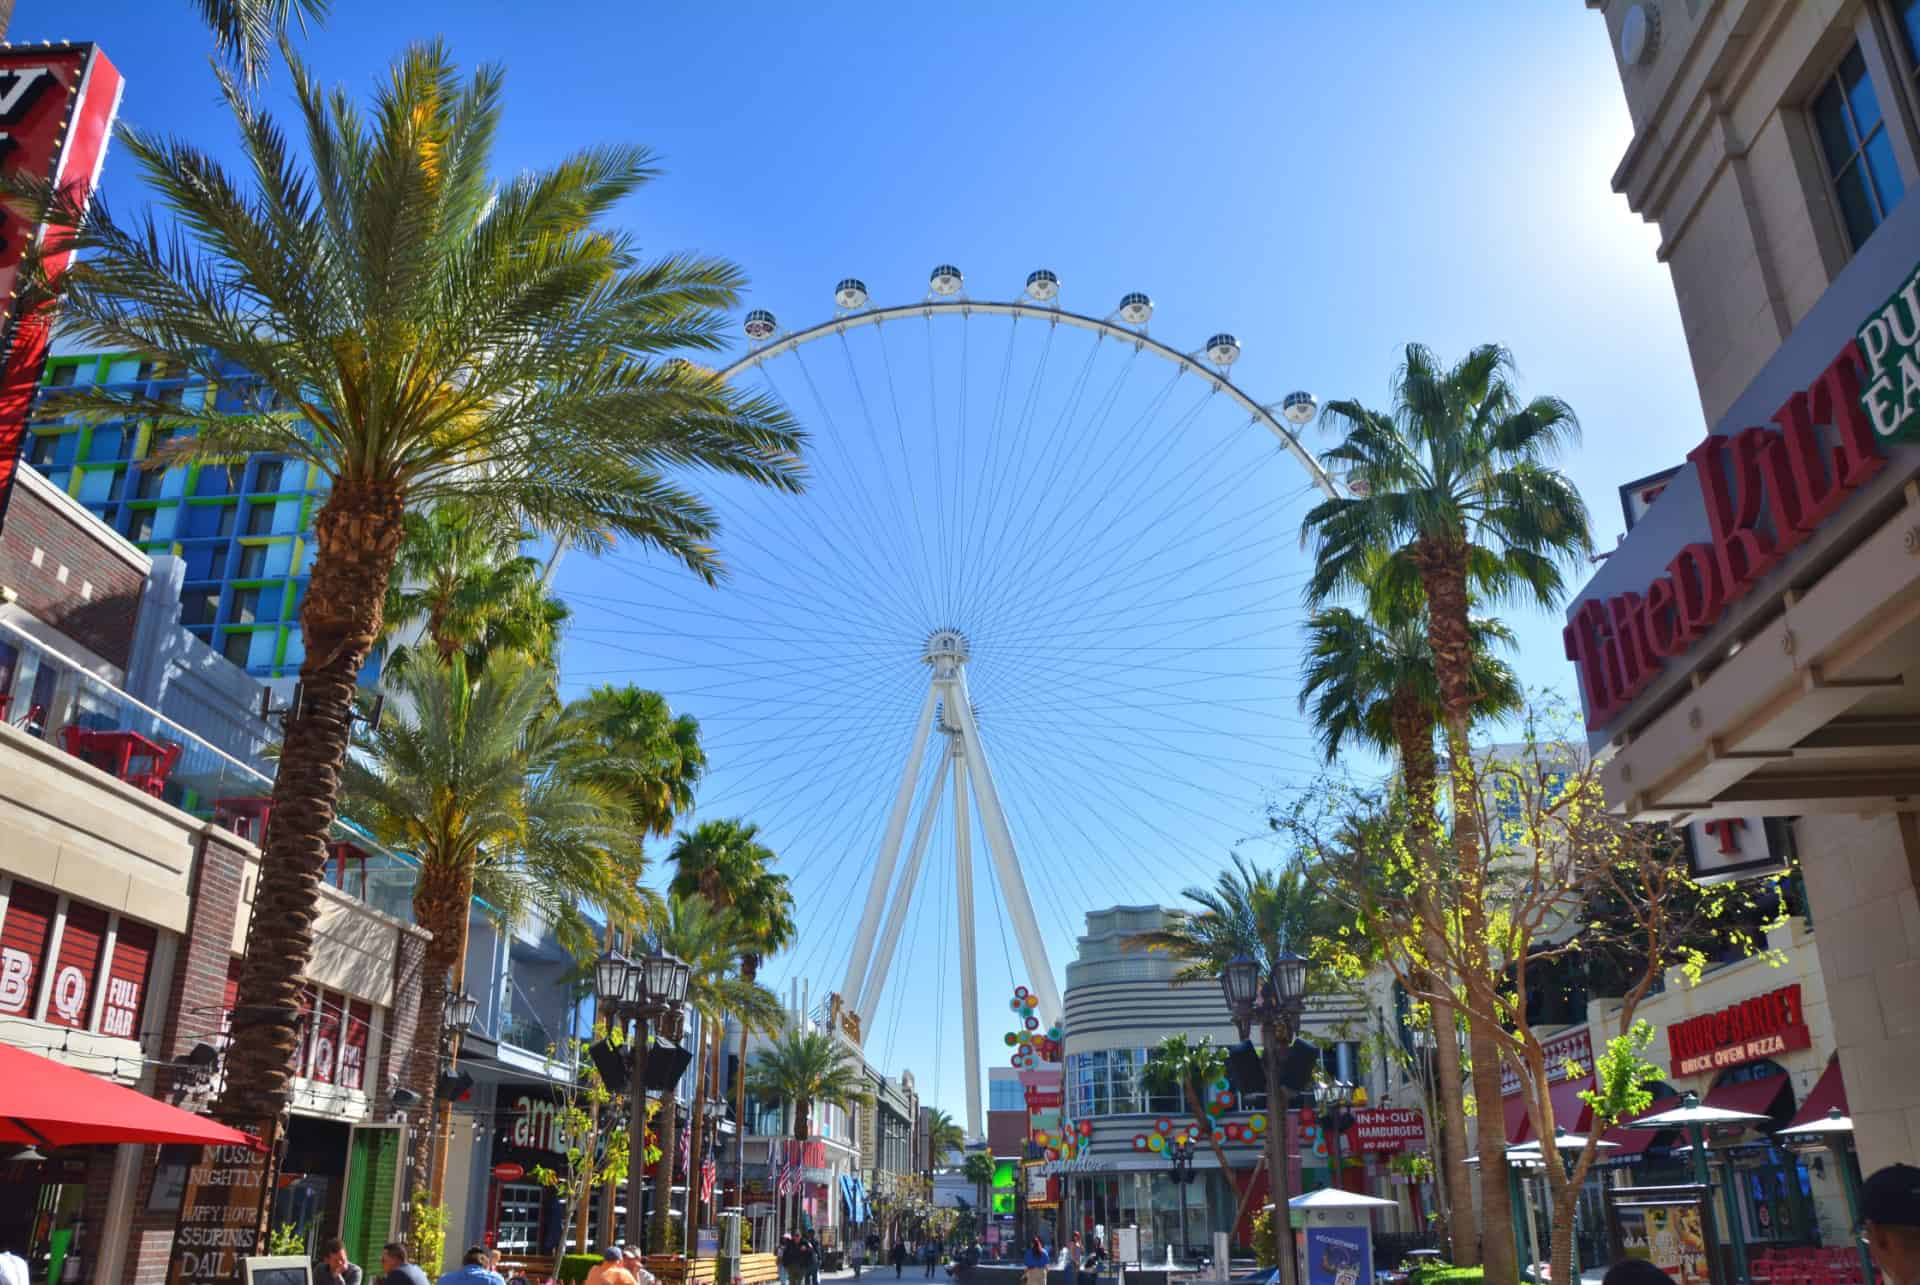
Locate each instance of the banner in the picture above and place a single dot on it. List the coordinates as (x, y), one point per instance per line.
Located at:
(220, 1215)
(57, 104)
(1339, 1255)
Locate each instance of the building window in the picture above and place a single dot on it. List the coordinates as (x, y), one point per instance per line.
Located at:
(140, 525)
(199, 606)
(63, 376)
(235, 648)
(40, 454)
(246, 610)
(259, 519)
(253, 562)
(1859, 153)
(267, 477)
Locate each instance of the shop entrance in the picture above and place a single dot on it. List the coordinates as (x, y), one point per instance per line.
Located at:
(40, 1209)
(312, 1179)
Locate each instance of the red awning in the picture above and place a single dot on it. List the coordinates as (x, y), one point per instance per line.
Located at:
(1634, 1142)
(1569, 1112)
(1755, 1096)
(1828, 1092)
(50, 1104)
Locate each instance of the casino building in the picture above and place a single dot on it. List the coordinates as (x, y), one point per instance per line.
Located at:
(1749, 655)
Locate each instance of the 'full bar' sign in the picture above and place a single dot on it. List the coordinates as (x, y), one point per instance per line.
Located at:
(1745, 1032)
(219, 1216)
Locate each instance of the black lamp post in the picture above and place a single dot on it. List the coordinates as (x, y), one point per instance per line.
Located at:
(1331, 1098)
(1274, 995)
(644, 989)
(1180, 1153)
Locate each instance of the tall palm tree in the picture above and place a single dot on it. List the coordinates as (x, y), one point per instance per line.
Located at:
(245, 31)
(1369, 679)
(1261, 914)
(472, 776)
(725, 862)
(420, 332)
(646, 751)
(803, 1067)
(462, 580)
(1456, 479)
(707, 938)
(978, 1169)
(944, 1135)
(1177, 1065)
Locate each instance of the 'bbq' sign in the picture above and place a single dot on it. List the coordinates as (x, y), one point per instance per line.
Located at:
(1745, 1032)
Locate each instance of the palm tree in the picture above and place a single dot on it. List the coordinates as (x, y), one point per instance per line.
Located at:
(725, 862)
(420, 333)
(708, 939)
(245, 31)
(802, 1067)
(646, 751)
(1369, 678)
(1263, 915)
(978, 1169)
(944, 1135)
(1456, 481)
(462, 579)
(470, 775)
(1185, 1067)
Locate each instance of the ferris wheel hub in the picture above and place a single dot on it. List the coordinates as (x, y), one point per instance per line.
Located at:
(946, 647)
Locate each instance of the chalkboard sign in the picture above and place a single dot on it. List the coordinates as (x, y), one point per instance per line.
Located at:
(219, 1216)
(278, 1271)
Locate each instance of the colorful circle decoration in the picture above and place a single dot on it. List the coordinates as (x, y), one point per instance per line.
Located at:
(1085, 1127)
(1056, 1034)
(1012, 1039)
(1156, 1143)
(1019, 992)
(1221, 1086)
(1236, 1131)
(1016, 1005)
(1224, 1100)
(1162, 1124)
(1033, 1023)
(1257, 1122)
(1139, 1142)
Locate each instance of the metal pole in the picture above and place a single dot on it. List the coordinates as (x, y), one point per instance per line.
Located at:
(889, 853)
(1332, 1127)
(1272, 1031)
(969, 973)
(637, 1137)
(876, 983)
(1738, 1232)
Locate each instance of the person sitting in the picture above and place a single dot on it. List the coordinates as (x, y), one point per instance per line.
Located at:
(395, 1269)
(473, 1270)
(1890, 1222)
(332, 1267)
(609, 1257)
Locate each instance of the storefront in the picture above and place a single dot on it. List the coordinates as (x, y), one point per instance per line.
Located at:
(1749, 661)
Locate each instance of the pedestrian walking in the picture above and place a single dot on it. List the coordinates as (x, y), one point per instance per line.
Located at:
(899, 1258)
(930, 1254)
(811, 1249)
(1890, 1223)
(1074, 1257)
(1035, 1263)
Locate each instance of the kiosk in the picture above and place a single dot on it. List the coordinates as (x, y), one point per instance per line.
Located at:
(1335, 1241)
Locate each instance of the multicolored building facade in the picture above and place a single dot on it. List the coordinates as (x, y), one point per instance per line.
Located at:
(241, 528)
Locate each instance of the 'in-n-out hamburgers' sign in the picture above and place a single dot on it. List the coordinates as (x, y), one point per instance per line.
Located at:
(1745, 1032)
(1766, 489)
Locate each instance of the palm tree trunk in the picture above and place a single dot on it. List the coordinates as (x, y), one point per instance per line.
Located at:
(1443, 574)
(668, 1132)
(695, 1137)
(357, 534)
(440, 902)
(1413, 735)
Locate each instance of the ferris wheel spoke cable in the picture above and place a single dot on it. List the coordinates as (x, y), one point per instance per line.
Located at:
(906, 457)
(867, 573)
(922, 587)
(970, 550)
(1032, 536)
(942, 548)
(1018, 540)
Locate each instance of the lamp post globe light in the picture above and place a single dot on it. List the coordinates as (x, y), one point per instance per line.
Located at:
(461, 1010)
(643, 990)
(1275, 996)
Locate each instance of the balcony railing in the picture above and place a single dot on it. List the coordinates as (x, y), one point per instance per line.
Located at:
(50, 695)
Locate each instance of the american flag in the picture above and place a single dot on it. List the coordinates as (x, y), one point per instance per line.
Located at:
(789, 1169)
(709, 1172)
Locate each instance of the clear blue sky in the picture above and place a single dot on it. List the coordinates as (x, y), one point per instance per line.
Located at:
(1325, 181)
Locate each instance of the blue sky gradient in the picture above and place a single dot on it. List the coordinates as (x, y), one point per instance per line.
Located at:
(1327, 182)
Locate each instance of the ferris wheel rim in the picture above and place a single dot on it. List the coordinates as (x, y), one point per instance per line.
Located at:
(1105, 327)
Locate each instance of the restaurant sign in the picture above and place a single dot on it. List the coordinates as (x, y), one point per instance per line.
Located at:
(1889, 339)
(220, 1215)
(1387, 1129)
(1757, 1028)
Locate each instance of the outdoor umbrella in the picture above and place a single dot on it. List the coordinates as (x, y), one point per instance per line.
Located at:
(46, 1103)
(1696, 1119)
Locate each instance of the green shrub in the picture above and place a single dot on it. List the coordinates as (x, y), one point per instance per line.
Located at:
(1445, 1274)
(574, 1267)
(426, 1233)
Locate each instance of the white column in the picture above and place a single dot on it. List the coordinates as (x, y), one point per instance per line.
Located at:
(1006, 863)
(876, 984)
(969, 971)
(889, 854)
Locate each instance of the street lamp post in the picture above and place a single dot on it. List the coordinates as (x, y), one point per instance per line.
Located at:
(1275, 996)
(644, 989)
(1332, 1098)
(1180, 1153)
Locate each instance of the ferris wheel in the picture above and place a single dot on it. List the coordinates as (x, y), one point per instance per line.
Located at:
(1041, 600)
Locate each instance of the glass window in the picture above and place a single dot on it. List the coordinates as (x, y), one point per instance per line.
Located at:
(1859, 154)
(269, 474)
(148, 481)
(41, 453)
(253, 562)
(63, 376)
(106, 444)
(235, 647)
(246, 606)
(199, 606)
(259, 518)
(213, 479)
(140, 525)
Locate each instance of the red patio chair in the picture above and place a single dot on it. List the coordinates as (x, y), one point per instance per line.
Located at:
(154, 780)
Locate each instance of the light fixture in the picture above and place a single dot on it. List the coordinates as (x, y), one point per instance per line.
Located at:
(610, 980)
(31, 1156)
(1290, 981)
(1240, 984)
(461, 1009)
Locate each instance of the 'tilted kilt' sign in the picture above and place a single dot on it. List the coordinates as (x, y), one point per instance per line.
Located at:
(1745, 1032)
(219, 1215)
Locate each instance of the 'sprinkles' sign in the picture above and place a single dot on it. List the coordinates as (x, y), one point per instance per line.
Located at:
(1745, 1032)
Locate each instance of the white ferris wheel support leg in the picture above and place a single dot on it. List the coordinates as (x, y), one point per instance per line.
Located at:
(969, 974)
(876, 984)
(889, 855)
(1006, 862)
